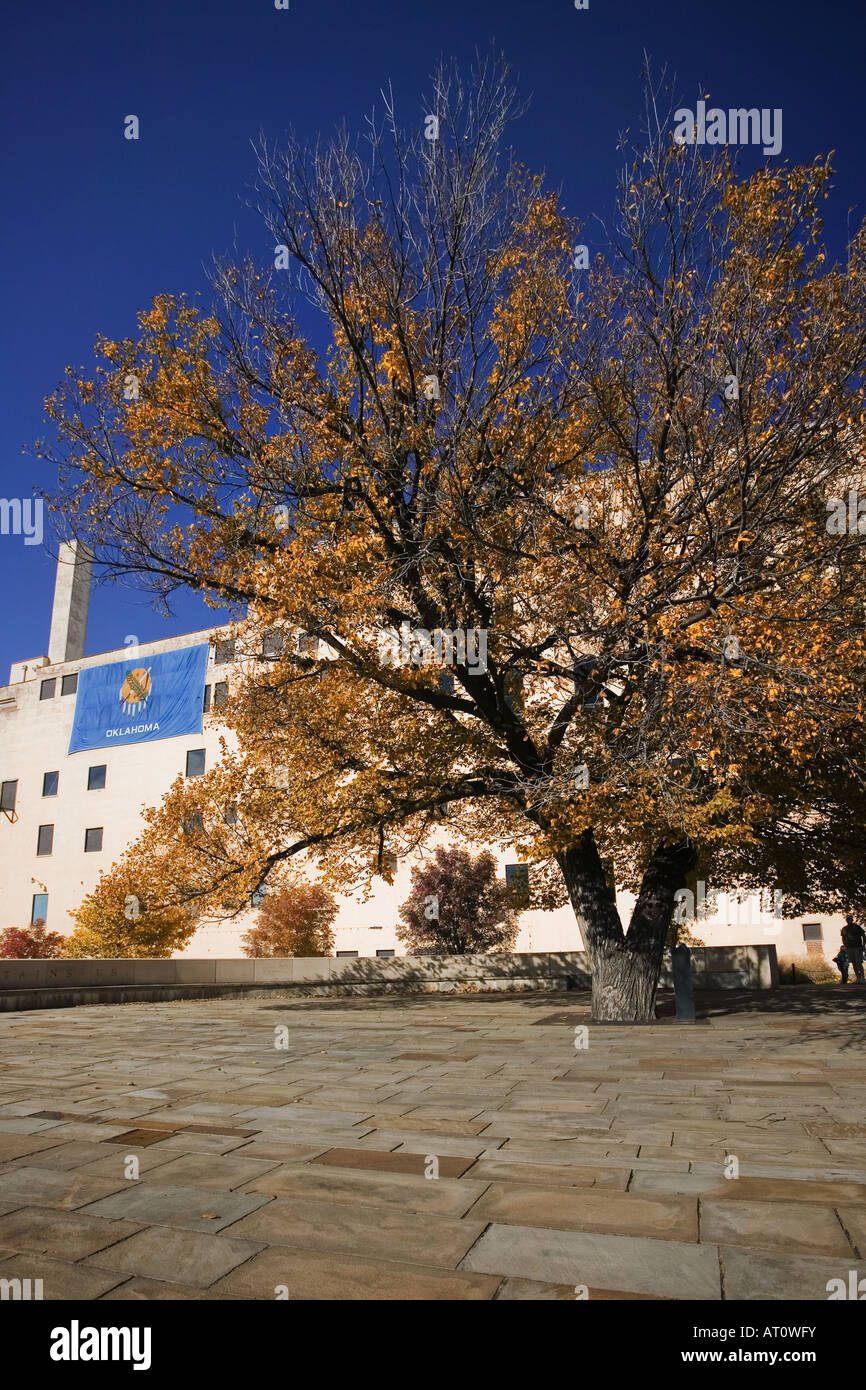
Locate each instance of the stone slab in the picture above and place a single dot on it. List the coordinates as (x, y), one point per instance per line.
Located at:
(313, 1181)
(152, 1290)
(747, 1188)
(798, 1229)
(558, 1175)
(60, 1280)
(178, 1256)
(308, 1275)
(48, 1187)
(190, 1208)
(358, 1230)
(532, 1291)
(783, 1277)
(589, 1209)
(628, 1264)
(63, 1234)
(223, 1172)
(19, 1145)
(399, 1162)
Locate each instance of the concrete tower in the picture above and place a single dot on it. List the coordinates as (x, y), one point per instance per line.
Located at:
(71, 603)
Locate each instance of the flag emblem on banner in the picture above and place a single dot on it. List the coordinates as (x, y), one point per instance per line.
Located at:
(135, 689)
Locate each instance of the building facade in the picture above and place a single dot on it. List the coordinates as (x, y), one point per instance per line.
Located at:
(69, 816)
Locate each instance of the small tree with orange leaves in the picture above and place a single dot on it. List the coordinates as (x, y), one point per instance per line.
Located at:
(297, 921)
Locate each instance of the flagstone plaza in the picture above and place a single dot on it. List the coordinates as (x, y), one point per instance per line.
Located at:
(303, 1164)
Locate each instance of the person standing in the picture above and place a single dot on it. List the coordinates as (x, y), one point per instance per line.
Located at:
(841, 960)
(853, 941)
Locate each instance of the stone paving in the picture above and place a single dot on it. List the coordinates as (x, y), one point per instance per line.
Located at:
(307, 1171)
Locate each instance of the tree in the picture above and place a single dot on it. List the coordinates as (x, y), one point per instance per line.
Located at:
(626, 477)
(30, 943)
(295, 922)
(124, 917)
(457, 906)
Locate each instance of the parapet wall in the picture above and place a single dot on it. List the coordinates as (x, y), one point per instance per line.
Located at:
(101, 981)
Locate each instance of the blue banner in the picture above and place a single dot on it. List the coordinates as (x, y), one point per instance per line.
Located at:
(140, 699)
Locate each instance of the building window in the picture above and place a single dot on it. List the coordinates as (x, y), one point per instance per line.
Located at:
(220, 694)
(231, 815)
(224, 651)
(195, 762)
(39, 908)
(272, 646)
(307, 644)
(193, 822)
(517, 879)
(96, 778)
(8, 793)
(50, 783)
(813, 931)
(446, 683)
(206, 701)
(45, 839)
(47, 688)
(385, 955)
(352, 954)
(389, 862)
(69, 684)
(259, 895)
(93, 840)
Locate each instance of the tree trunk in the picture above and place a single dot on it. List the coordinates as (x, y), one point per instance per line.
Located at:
(625, 966)
(624, 985)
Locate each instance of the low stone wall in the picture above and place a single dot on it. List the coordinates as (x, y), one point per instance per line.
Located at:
(25, 983)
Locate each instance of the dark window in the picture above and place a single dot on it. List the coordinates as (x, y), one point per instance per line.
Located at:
(220, 694)
(193, 822)
(8, 792)
(307, 644)
(96, 778)
(353, 954)
(206, 701)
(231, 815)
(195, 762)
(385, 954)
(69, 684)
(47, 688)
(39, 909)
(259, 895)
(93, 840)
(813, 931)
(224, 651)
(389, 862)
(517, 878)
(50, 783)
(272, 646)
(45, 839)
(446, 683)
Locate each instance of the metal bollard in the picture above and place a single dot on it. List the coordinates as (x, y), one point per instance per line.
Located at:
(684, 996)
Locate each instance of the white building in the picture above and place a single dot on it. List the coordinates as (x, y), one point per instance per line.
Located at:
(69, 816)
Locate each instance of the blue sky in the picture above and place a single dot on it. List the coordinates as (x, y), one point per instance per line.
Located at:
(95, 225)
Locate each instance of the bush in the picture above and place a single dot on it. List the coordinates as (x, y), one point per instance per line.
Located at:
(458, 906)
(31, 943)
(295, 922)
